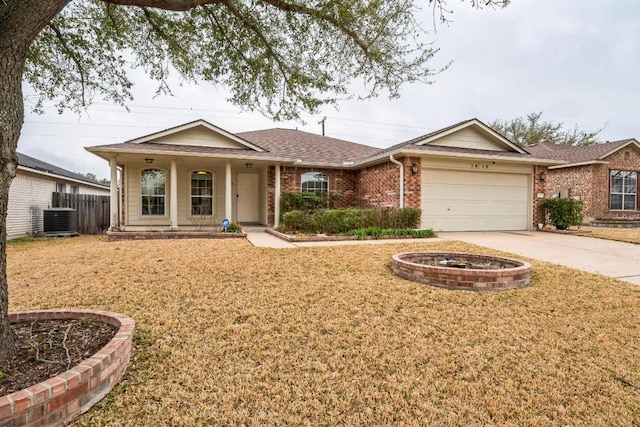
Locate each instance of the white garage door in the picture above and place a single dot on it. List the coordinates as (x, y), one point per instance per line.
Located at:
(474, 201)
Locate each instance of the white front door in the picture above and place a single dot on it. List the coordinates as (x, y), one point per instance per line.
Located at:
(247, 197)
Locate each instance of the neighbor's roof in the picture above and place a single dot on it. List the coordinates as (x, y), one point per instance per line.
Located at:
(38, 165)
(580, 154)
(309, 147)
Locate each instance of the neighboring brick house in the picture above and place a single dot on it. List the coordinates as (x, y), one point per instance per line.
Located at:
(463, 177)
(31, 190)
(603, 176)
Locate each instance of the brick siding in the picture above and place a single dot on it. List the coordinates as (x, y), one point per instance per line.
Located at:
(539, 187)
(590, 183)
(379, 185)
(340, 180)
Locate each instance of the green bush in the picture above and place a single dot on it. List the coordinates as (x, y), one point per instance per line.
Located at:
(336, 221)
(295, 201)
(563, 213)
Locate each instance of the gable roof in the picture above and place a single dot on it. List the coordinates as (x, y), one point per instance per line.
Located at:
(308, 147)
(28, 162)
(181, 128)
(304, 148)
(422, 145)
(580, 155)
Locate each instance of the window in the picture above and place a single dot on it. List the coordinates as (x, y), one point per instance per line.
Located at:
(75, 189)
(624, 185)
(152, 190)
(315, 182)
(60, 187)
(201, 193)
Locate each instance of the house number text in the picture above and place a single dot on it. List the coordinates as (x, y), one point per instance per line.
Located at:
(479, 166)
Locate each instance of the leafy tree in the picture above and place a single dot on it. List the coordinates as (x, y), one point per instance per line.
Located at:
(105, 181)
(530, 130)
(275, 56)
(91, 176)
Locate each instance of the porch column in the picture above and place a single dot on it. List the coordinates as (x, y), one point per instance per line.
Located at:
(173, 200)
(227, 192)
(276, 200)
(114, 223)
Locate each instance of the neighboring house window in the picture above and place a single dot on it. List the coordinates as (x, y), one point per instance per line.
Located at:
(152, 190)
(315, 182)
(201, 193)
(75, 189)
(59, 187)
(624, 186)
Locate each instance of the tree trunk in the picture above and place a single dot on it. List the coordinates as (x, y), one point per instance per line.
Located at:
(20, 23)
(11, 119)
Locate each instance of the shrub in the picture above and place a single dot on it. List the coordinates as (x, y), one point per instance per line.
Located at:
(563, 213)
(335, 221)
(295, 201)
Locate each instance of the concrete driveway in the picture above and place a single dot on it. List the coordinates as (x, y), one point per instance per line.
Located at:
(614, 259)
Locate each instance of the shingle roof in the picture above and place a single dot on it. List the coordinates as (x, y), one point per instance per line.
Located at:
(308, 147)
(575, 154)
(33, 163)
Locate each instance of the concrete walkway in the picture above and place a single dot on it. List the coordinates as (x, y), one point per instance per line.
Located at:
(609, 258)
(262, 239)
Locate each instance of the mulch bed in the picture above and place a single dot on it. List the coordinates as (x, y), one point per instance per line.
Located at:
(47, 348)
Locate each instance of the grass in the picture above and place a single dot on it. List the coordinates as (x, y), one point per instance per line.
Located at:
(629, 235)
(229, 334)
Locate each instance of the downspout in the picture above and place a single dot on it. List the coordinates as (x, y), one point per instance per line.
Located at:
(401, 179)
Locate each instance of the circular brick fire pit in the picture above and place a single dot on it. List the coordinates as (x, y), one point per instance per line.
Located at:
(461, 271)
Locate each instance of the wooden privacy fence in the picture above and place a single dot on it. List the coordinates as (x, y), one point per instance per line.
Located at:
(93, 210)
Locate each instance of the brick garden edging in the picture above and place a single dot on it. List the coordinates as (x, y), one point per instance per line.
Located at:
(60, 399)
(467, 279)
(116, 236)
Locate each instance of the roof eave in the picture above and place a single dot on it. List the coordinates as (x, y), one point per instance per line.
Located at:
(104, 153)
(66, 178)
(587, 163)
(422, 153)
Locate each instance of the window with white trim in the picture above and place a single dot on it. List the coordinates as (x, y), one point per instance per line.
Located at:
(624, 189)
(315, 182)
(152, 191)
(201, 193)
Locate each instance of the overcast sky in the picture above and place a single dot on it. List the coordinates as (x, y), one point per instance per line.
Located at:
(575, 60)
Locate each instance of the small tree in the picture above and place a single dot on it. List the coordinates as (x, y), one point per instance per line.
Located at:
(529, 130)
(563, 213)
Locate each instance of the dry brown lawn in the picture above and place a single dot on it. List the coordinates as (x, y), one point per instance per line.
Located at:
(229, 334)
(630, 235)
